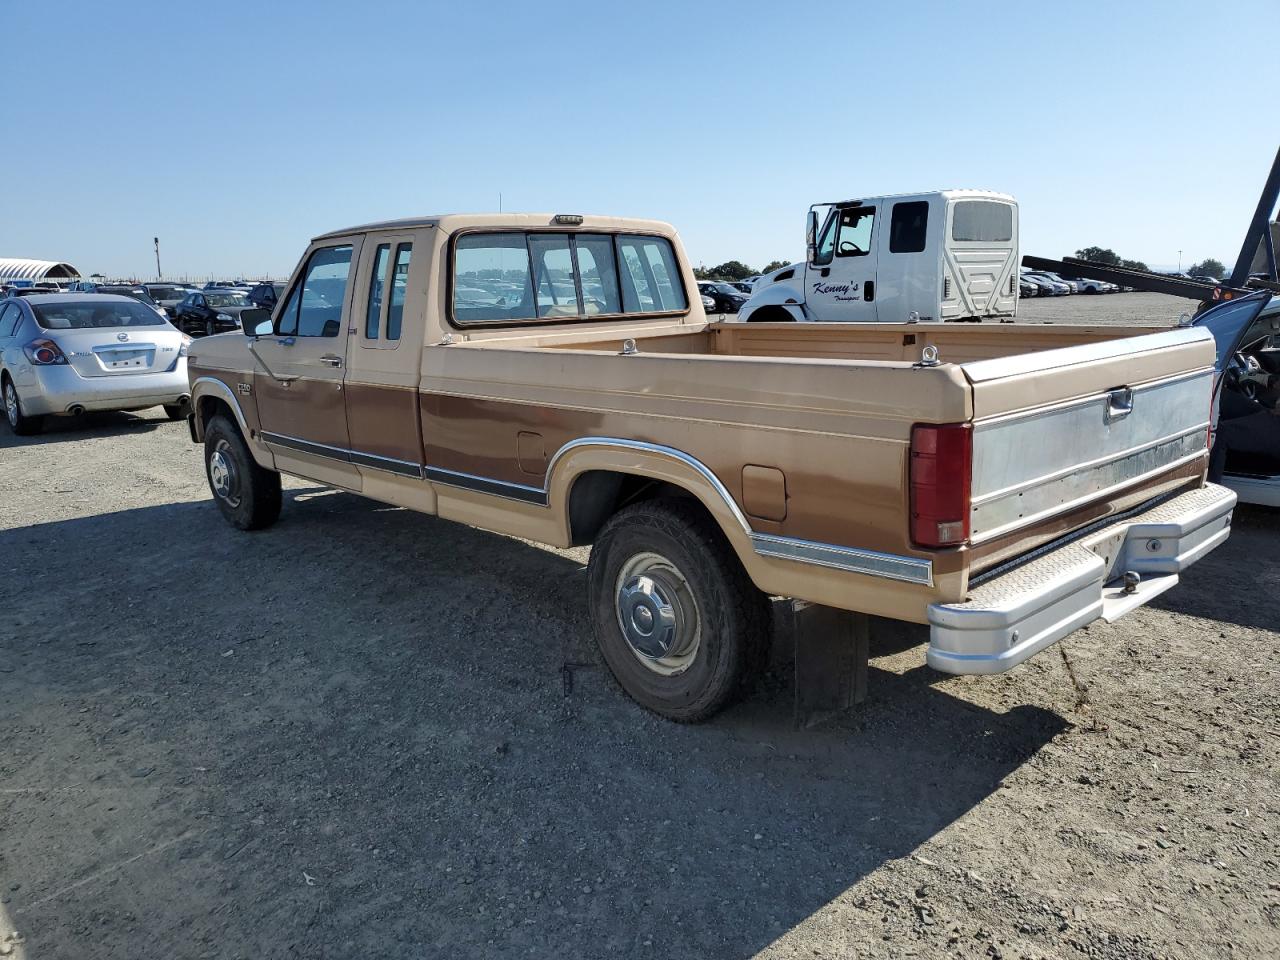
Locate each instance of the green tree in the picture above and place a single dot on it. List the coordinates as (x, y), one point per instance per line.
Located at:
(730, 270)
(1135, 265)
(775, 265)
(1099, 255)
(1207, 268)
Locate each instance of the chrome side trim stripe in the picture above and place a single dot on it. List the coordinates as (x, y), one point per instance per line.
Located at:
(497, 488)
(887, 565)
(405, 468)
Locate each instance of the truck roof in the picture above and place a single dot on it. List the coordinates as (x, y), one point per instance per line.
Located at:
(955, 193)
(516, 221)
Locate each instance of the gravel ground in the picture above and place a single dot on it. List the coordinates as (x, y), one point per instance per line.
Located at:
(356, 735)
(1135, 308)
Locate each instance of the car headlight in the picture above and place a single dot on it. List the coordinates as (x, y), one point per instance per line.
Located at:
(226, 318)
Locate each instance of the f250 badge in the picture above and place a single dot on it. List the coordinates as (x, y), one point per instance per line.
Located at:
(244, 389)
(842, 291)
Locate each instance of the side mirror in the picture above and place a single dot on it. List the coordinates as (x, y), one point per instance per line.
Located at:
(255, 322)
(811, 236)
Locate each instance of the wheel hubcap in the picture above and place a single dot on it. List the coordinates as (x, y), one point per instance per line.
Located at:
(11, 404)
(222, 474)
(657, 614)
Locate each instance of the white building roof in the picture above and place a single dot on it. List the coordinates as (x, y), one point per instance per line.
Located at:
(15, 268)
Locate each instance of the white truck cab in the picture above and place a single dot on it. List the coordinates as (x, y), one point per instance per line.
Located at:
(947, 255)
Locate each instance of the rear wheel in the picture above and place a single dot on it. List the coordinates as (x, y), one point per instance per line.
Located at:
(19, 422)
(680, 624)
(209, 328)
(177, 411)
(248, 495)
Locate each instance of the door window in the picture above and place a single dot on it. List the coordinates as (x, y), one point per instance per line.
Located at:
(908, 226)
(314, 307)
(399, 286)
(377, 280)
(854, 238)
(9, 318)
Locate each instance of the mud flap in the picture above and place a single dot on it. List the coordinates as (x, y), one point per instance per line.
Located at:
(832, 650)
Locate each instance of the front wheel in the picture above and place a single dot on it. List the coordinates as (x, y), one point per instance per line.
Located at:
(210, 328)
(19, 422)
(680, 624)
(248, 495)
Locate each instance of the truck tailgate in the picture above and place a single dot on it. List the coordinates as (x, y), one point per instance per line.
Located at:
(1059, 430)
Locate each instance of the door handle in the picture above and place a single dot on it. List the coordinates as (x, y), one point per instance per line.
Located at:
(1119, 404)
(331, 360)
(869, 291)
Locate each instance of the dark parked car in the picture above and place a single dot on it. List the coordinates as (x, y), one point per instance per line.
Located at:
(728, 298)
(136, 291)
(167, 295)
(210, 311)
(265, 294)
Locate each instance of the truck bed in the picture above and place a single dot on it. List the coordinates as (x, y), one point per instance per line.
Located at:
(826, 412)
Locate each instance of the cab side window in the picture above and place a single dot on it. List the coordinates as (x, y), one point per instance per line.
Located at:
(399, 287)
(314, 307)
(908, 226)
(854, 238)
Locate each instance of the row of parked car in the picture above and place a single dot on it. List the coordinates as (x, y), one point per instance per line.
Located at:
(196, 311)
(1042, 283)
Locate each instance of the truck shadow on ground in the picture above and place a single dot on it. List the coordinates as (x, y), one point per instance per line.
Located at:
(349, 735)
(1239, 582)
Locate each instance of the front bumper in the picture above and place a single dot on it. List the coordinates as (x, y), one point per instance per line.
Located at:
(56, 389)
(1018, 614)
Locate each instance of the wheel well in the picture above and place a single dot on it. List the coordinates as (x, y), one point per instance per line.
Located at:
(772, 314)
(598, 494)
(209, 406)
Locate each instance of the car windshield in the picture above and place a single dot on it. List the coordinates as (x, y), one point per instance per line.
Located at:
(221, 299)
(88, 314)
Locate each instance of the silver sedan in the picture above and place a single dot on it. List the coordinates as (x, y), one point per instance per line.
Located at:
(64, 354)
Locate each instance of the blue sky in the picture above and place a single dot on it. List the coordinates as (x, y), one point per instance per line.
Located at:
(236, 131)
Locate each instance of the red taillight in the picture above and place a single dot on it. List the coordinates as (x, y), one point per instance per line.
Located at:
(940, 472)
(43, 353)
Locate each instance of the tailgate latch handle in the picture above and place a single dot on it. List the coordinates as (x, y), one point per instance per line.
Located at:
(1119, 404)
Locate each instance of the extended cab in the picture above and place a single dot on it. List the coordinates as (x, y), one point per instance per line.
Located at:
(946, 255)
(554, 378)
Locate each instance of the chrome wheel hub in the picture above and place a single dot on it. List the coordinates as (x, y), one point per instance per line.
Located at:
(222, 474)
(657, 614)
(11, 404)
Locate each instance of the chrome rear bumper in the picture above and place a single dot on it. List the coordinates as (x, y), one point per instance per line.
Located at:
(1010, 618)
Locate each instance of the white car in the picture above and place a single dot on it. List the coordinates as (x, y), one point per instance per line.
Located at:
(64, 354)
(1087, 285)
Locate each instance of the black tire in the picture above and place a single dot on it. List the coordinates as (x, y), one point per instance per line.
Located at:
(210, 328)
(771, 315)
(19, 422)
(733, 619)
(177, 411)
(248, 495)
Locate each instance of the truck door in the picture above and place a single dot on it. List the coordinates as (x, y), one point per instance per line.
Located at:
(385, 358)
(299, 379)
(841, 280)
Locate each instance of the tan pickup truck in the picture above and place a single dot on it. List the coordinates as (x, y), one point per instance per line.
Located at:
(554, 378)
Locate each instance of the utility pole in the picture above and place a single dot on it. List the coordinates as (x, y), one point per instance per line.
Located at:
(159, 275)
(1179, 261)
(499, 201)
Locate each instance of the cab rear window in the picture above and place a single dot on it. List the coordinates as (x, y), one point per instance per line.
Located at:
(517, 277)
(983, 220)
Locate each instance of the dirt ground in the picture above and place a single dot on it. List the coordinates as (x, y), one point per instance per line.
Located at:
(369, 733)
